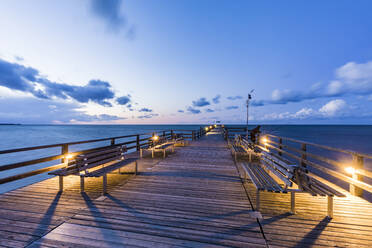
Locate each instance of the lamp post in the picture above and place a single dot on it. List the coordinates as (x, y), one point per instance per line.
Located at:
(248, 99)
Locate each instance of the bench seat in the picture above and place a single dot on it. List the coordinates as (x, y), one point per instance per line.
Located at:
(102, 171)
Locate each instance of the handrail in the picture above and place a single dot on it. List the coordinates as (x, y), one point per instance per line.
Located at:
(323, 146)
(137, 142)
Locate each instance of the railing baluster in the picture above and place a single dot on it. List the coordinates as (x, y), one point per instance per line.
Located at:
(303, 155)
(64, 151)
(137, 142)
(358, 164)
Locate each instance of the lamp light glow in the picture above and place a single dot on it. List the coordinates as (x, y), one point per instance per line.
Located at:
(264, 140)
(69, 156)
(350, 170)
(155, 137)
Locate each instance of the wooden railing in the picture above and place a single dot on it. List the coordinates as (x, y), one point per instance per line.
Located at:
(344, 165)
(133, 142)
(230, 132)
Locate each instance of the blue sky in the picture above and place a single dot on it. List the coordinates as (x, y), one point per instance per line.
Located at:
(142, 61)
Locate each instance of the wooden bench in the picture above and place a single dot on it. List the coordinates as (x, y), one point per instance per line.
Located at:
(178, 139)
(240, 149)
(162, 146)
(275, 174)
(96, 164)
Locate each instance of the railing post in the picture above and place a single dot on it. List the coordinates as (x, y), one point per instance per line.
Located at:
(303, 155)
(193, 135)
(164, 134)
(112, 141)
(358, 163)
(64, 151)
(172, 134)
(280, 146)
(138, 142)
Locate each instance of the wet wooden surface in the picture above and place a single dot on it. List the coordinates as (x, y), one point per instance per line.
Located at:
(192, 198)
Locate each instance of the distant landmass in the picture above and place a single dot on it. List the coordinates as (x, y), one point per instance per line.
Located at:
(6, 124)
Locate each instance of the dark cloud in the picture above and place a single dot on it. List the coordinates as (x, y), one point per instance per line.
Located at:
(180, 111)
(145, 110)
(216, 99)
(109, 11)
(148, 116)
(201, 102)
(124, 100)
(234, 97)
(231, 107)
(193, 110)
(209, 110)
(27, 79)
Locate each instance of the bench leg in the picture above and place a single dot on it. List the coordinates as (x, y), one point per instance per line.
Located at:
(60, 183)
(81, 183)
(141, 153)
(164, 153)
(104, 186)
(136, 168)
(250, 157)
(257, 200)
(293, 203)
(173, 148)
(152, 153)
(330, 206)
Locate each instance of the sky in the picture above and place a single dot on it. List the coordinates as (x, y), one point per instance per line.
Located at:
(185, 62)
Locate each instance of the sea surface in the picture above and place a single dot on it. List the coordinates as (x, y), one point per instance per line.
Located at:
(350, 137)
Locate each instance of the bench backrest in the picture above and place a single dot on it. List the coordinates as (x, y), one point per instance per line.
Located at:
(282, 168)
(100, 157)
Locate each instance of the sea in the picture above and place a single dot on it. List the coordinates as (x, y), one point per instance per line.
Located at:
(356, 138)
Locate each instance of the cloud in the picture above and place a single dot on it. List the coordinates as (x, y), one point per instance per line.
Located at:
(96, 118)
(231, 107)
(145, 110)
(304, 113)
(148, 116)
(350, 79)
(232, 98)
(216, 99)
(201, 102)
(124, 100)
(193, 110)
(333, 107)
(180, 111)
(28, 80)
(27, 110)
(109, 11)
(209, 110)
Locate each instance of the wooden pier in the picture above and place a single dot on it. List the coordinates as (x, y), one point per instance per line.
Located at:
(195, 197)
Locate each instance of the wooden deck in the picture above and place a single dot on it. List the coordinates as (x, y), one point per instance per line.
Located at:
(193, 198)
